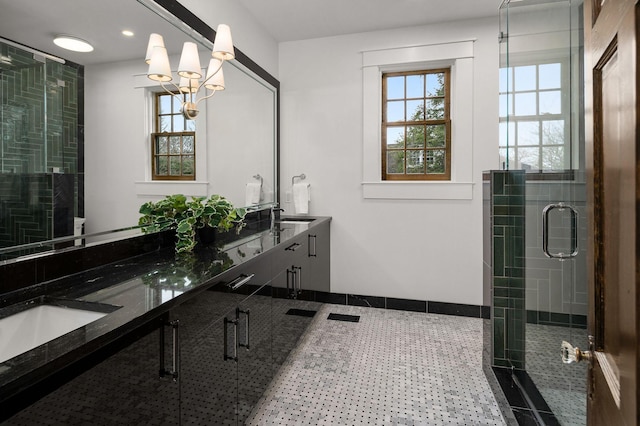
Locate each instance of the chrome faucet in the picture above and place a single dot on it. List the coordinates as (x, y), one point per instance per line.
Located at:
(274, 209)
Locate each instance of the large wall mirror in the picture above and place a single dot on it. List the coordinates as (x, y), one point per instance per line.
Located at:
(76, 133)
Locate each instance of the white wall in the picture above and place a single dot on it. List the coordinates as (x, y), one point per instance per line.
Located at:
(248, 34)
(415, 249)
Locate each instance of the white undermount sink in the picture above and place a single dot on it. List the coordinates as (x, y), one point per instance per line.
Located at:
(33, 327)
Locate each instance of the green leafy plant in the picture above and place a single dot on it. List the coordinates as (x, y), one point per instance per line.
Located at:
(187, 216)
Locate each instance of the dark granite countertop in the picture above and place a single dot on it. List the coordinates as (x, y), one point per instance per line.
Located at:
(132, 292)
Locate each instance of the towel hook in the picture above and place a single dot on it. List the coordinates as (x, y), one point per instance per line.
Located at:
(301, 177)
(259, 177)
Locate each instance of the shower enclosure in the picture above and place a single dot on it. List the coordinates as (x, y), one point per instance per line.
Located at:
(41, 138)
(537, 211)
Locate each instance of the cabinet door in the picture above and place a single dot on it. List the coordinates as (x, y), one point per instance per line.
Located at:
(123, 389)
(319, 252)
(208, 379)
(290, 264)
(254, 354)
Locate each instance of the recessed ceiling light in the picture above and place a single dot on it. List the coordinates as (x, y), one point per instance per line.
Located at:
(72, 43)
(127, 33)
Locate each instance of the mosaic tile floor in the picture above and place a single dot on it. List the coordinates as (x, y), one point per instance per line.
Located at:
(391, 367)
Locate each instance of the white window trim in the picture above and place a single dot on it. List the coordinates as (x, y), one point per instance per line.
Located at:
(152, 187)
(457, 55)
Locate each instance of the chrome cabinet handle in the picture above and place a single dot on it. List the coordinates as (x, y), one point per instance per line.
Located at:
(314, 253)
(175, 365)
(247, 313)
(574, 231)
(234, 322)
(299, 278)
(240, 281)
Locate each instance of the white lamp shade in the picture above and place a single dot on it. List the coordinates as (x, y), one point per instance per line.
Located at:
(223, 44)
(159, 68)
(215, 77)
(189, 66)
(154, 40)
(188, 85)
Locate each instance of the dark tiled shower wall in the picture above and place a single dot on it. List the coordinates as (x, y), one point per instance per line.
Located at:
(507, 227)
(35, 204)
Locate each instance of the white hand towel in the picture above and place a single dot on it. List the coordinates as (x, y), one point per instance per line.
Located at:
(301, 197)
(252, 194)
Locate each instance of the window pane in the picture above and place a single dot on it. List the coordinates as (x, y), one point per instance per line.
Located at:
(415, 110)
(525, 78)
(188, 145)
(435, 109)
(511, 153)
(395, 87)
(528, 133)
(165, 123)
(395, 162)
(529, 158)
(435, 84)
(178, 123)
(162, 145)
(415, 136)
(415, 162)
(507, 133)
(395, 137)
(506, 105)
(436, 136)
(162, 166)
(191, 125)
(551, 102)
(553, 132)
(553, 158)
(505, 80)
(174, 145)
(525, 104)
(177, 104)
(415, 86)
(550, 76)
(435, 161)
(395, 111)
(165, 104)
(174, 166)
(188, 165)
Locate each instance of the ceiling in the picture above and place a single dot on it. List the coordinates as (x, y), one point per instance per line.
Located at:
(35, 23)
(289, 20)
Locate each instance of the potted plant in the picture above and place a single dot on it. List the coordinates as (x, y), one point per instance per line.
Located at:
(189, 216)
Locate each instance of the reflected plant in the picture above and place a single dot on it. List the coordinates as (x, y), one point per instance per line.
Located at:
(187, 216)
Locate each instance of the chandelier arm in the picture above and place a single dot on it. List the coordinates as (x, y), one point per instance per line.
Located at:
(206, 97)
(175, 95)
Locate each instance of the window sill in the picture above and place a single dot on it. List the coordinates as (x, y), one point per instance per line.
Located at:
(418, 190)
(167, 187)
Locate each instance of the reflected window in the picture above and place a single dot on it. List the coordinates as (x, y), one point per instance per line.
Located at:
(173, 144)
(534, 122)
(416, 125)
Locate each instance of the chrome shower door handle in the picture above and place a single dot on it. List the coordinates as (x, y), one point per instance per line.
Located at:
(574, 231)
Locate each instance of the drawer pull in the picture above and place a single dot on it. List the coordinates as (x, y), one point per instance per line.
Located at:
(293, 247)
(240, 281)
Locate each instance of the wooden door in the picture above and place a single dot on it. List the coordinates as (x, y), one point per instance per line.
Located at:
(611, 107)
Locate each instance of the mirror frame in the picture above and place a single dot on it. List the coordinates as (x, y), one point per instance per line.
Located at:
(182, 14)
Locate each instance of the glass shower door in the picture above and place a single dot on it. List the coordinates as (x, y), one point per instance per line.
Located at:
(541, 133)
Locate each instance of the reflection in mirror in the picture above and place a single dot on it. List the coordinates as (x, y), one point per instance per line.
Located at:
(75, 133)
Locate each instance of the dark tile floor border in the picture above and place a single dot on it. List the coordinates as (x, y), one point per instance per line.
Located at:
(427, 306)
(527, 404)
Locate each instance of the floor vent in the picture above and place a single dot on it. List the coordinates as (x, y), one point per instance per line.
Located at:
(301, 312)
(342, 317)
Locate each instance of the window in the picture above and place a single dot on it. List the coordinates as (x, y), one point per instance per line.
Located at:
(534, 123)
(173, 145)
(416, 125)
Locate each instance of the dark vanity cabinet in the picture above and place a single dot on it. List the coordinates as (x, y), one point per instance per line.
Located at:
(225, 347)
(125, 388)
